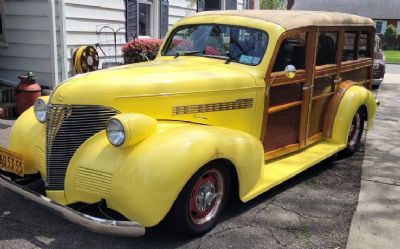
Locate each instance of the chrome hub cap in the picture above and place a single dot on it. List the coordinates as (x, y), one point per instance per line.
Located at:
(206, 197)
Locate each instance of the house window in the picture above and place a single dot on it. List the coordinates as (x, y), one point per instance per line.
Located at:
(380, 26)
(145, 18)
(212, 5)
(205, 5)
(2, 24)
(246, 4)
(398, 27)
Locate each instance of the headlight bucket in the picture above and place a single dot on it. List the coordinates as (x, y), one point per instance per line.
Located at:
(40, 110)
(128, 129)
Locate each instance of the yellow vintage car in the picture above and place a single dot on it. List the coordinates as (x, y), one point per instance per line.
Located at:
(235, 103)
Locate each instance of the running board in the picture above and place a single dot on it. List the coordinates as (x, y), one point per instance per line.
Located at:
(279, 170)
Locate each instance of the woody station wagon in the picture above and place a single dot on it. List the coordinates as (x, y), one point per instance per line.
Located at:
(235, 103)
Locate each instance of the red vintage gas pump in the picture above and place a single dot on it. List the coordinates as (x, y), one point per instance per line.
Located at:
(27, 92)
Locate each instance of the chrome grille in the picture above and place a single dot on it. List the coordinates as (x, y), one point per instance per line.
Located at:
(66, 129)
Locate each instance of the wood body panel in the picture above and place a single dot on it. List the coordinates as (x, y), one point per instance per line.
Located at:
(284, 94)
(284, 127)
(320, 88)
(317, 114)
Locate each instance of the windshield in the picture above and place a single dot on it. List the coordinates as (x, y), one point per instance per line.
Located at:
(232, 43)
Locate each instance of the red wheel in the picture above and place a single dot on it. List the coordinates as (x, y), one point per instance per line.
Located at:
(201, 201)
(355, 133)
(206, 197)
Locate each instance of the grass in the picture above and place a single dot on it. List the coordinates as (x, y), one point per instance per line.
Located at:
(392, 56)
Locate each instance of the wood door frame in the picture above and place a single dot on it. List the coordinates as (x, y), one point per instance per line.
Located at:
(327, 70)
(279, 79)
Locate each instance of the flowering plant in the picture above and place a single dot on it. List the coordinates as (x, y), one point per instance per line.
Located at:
(141, 49)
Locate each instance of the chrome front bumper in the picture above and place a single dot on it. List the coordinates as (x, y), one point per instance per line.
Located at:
(98, 225)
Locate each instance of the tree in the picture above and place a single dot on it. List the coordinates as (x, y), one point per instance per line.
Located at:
(390, 37)
(272, 4)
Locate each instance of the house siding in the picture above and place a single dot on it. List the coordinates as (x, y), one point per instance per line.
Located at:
(179, 9)
(84, 18)
(393, 22)
(28, 41)
(27, 25)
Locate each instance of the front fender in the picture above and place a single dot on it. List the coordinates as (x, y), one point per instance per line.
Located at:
(27, 137)
(145, 179)
(354, 97)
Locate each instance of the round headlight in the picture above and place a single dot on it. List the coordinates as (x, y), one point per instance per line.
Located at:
(376, 66)
(115, 132)
(40, 110)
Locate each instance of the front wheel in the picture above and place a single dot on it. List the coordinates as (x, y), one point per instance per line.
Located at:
(201, 201)
(355, 133)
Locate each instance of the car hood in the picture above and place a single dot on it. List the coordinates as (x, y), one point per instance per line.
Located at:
(151, 79)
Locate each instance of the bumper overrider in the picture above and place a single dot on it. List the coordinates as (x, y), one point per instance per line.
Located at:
(95, 224)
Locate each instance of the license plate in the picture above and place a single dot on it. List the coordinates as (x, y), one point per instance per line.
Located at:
(11, 162)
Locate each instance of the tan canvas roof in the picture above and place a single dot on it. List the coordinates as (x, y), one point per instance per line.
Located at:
(291, 19)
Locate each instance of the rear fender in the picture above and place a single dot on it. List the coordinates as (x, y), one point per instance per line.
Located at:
(354, 97)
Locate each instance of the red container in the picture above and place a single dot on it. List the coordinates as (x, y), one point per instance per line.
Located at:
(27, 92)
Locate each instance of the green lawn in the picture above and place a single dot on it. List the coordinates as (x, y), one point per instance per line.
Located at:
(392, 56)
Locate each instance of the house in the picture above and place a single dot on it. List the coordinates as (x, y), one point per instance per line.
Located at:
(383, 12)
(42, 35)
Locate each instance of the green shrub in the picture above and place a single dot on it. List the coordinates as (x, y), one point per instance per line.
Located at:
(391, 37)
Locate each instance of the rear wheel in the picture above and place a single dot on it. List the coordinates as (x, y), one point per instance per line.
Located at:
(201, 201)
(355, 133)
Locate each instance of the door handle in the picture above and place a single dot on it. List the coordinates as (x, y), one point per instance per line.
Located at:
(307, 87)
(337, 80)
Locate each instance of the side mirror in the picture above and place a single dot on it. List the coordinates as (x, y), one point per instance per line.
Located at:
(290, 71)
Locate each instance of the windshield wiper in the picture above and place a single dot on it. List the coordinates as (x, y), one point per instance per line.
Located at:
(186, 53)
(229, 59)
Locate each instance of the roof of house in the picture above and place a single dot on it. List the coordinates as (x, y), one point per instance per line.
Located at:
(296, 19)
(376, 9)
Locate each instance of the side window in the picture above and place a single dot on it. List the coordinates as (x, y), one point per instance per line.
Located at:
(327, 44)
(291, 52)
(349, 47)
(364, 47)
